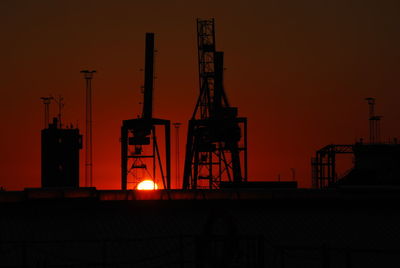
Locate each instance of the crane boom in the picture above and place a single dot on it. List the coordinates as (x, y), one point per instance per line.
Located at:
(148, 77)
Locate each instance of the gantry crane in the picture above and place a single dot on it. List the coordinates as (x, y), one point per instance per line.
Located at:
(140, 153)
(216, 149)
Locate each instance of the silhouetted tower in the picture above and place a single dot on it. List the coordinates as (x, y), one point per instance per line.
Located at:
(60, 153)
(140, 153)
(88, 75)
(216, 148)
(374, 122)
(46, 102)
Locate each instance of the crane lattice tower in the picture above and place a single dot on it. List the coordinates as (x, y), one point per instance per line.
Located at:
(216, 149)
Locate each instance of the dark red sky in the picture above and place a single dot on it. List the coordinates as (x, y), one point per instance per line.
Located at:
(299, 70)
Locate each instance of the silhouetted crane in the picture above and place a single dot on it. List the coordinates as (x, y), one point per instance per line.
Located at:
(216, 148)
(138, 136)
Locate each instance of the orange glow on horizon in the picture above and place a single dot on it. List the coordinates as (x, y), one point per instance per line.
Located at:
(302, 100)
(147, 185)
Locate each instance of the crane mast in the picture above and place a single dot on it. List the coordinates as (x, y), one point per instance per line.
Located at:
(216, 148)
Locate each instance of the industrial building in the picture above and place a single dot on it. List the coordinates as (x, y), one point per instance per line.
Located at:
(375, 163)
(60, 156)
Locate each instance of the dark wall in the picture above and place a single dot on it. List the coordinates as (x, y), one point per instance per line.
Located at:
(200, 233)
(60, 157)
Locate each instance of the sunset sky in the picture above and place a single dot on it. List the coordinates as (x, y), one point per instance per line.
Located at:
(299, 70)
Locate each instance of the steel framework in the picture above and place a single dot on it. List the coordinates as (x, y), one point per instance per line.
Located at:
(324, 164)
(216, 148)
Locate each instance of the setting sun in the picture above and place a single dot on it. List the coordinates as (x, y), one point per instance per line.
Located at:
(147, 185)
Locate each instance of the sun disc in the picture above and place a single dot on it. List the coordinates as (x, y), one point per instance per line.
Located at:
(147, 185)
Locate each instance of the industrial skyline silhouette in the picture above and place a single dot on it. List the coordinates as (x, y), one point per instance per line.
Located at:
(215, 214)
(305, 69)
(216, 147)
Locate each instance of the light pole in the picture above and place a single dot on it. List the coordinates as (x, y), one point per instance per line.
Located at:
(88, 75)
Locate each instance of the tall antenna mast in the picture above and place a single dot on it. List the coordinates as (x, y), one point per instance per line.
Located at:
(46, 102)
(88, 75)
(60, 103)
(374, 122)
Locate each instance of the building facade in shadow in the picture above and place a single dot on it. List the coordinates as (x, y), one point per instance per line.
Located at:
(60, 156)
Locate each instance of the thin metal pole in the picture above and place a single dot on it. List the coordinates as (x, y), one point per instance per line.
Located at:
(167, 128)
(47, 115)
(155, 155)
(88, 138)
(245, 151)
(124, 157)
(46, 102)
(177, 160)
(60, 104)
(88, 75)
